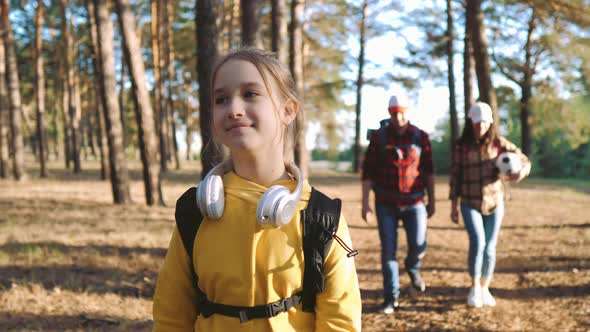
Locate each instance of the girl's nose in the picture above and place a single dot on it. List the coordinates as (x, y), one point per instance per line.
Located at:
(236, 108)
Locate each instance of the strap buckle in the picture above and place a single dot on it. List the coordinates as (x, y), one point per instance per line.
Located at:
(276, 308)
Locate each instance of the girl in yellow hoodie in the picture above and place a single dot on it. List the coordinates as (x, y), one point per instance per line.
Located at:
(238, 261)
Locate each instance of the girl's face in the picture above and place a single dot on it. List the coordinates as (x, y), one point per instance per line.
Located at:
(244, 116)
(480, 128)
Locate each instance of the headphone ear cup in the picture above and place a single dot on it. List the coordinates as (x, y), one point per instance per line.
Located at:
(214, 197)
(210, 197)
(201, 188)
(267, 211)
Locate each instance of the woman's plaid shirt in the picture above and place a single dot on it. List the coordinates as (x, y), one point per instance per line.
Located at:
(474, 176)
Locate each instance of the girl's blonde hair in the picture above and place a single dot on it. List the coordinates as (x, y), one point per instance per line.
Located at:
(269, 67)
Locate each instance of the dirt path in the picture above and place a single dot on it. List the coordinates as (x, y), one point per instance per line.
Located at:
(70, 260)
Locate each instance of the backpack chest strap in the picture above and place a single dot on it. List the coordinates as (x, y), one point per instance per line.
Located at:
(247, 313)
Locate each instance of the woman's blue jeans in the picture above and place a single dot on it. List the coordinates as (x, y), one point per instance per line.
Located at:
(414, 220)
(483, 234)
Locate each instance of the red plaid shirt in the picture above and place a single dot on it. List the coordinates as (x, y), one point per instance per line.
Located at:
(384, 172)
(474, 176)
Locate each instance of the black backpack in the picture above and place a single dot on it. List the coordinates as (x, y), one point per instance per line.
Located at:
(320, 223)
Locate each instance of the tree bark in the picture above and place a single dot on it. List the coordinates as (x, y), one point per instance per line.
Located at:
(118, 163)
(279, 30)
(451, 75)
(65, 113)
(188, 120)
(122, 106)
(468, 66)
(526, 116)
(163, 116)
(359, 89)
(296, 67)
(89, 100)
(487, 94)
(77, 135)
(4, 123)
(73, 115)
(173, 147)
(250, 24)
(99, 111)
(16, 142)
(143, 112)
(155, 25)
(206, 53)
(40, 89)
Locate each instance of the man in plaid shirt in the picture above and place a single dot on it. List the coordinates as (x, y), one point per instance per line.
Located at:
(398, 167)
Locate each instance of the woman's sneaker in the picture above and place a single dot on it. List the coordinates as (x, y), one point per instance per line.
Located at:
(389, 305)
(486, 298)
(474, 299)
(417, 282)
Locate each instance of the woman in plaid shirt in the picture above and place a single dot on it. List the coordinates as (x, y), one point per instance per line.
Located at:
(475, 179)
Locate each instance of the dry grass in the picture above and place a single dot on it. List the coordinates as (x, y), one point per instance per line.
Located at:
(70, 260)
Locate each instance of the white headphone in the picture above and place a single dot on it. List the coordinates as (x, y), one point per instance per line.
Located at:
(275, 208)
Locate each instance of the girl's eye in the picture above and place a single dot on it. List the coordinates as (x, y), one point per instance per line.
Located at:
(250, 94)
(220, 100)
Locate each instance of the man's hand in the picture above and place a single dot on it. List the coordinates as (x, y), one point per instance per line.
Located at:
(367, 213)
(455, 215)
(430, 209)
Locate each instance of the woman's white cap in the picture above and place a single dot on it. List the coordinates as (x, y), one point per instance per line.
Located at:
(479, 112)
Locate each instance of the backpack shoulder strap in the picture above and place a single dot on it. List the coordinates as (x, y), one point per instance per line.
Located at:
(320, 222)
(417, 137)
(188, 219)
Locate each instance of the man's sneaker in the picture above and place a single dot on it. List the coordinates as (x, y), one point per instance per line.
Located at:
(486, 298)
(474, 299)
(389, 306)
(417, 282)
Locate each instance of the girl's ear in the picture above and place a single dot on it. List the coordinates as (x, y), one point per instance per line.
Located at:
(290, 108)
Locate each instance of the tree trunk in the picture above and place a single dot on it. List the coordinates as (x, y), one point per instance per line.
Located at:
(189, 116)
(16, 143)
(451, 76)
(526, 116)
(118, 163)
(249, 12)
(487, 94)
(73, 116)
(122, 106)
(279, 30)
(65, 113)
(169, 12)
(99, 111)
(77, 136)
(234, 12)
(359, 89)
(296, 67)
(4, 141)
(163, 117)
(206, 53)
(89, 100)
(40, 89)
(143, 112)
(468, 68)
(158, 83)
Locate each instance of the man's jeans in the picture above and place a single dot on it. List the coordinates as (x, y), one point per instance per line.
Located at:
(414, 221)
(483, 235)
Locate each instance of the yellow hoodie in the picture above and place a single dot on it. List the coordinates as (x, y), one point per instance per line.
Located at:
(241, 264)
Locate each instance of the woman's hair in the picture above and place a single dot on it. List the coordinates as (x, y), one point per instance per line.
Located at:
(270, 68)
(468, 136)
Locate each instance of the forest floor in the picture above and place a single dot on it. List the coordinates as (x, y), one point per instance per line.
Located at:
(71, 260)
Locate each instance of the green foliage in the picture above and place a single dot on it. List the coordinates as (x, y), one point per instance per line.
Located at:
(561, 136)
(343, 155)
